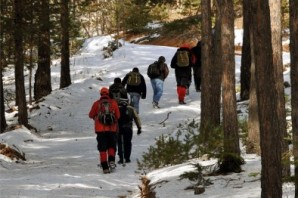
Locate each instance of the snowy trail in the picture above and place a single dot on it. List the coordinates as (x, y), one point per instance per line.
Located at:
(63, 162)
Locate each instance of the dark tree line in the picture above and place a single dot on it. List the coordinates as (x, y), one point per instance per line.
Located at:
(26, 28)
(261, 82)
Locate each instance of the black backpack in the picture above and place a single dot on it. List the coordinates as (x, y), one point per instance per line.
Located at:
(105, 113)
(126, 116)
(153, 70)
(115, 93)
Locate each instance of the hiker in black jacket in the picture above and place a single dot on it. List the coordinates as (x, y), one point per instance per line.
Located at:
(197, 66)
(182, 73)
(125, 123)
(136, 87)
(117, 90)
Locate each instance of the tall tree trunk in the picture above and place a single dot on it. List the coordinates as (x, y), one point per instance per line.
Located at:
(42, 85)
(294, 81)
(65, 79)
(216, 73)
(2, 109)
(3, 124)
(209, 118)
(246, 55)
(267, 95)
(253, 137)
(206, 64)
(31, 48)
(230, 124)
(19, 64)
(275, 15)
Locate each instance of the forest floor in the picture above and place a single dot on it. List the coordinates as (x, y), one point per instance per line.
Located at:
(175, 37)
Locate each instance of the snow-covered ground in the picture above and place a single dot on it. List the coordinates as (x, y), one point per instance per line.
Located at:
(62, 160)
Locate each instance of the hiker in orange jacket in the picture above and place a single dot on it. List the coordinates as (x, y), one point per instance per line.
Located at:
(106, 132)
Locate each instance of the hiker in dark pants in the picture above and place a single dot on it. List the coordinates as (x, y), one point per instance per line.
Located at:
(197, 67)
(116, 90)
(183, 72)
(106, 133)
(127, 116)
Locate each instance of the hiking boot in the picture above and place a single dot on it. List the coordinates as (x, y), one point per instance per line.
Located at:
(112, 165)
(104, 165)
(120, 161)
(155, 105)
(187, 92)
(182, 102)
(106, 171)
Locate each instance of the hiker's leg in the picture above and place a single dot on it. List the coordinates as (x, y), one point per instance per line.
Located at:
(112, 142)
(181, 91)
(159, 89)
(120, 150)
(153, 83)
(196, 78)
(135, 99)
(127, 137)
(102, 148)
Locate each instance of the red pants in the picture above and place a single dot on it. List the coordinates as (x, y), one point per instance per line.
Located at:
(181, 91)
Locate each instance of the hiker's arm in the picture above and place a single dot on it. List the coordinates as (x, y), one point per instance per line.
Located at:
(166, 70)
(117, 111)
(144, 88)
(173, 61)
(136, 118)
(124, 81)
(93, 110)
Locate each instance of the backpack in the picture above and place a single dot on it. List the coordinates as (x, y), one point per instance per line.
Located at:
(115, 93)
(153, 70)
(125, 116)
(182, 58)
(134, 79)
(105, 113)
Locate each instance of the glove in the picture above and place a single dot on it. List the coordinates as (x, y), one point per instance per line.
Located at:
(139, 131)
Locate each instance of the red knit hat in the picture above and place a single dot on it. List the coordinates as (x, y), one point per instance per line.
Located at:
(104, 91)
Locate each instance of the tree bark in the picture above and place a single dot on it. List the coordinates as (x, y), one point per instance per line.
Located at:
(230, 160)
(42, 85)
(2, 109)
(19, 64)
(294, 81)
(267, 95)
(216, 71)
(3, 124)
(209, 103)
(253, 137)
(65, 79)
(246, 53)
(275, 15)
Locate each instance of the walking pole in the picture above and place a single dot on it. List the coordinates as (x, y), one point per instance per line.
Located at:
(122, 145)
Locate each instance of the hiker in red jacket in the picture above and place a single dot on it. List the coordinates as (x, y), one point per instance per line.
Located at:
(105, 113)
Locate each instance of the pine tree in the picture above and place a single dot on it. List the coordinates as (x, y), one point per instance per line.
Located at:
(267, 96)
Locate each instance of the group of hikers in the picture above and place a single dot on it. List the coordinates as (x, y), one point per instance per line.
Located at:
(118, 105)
